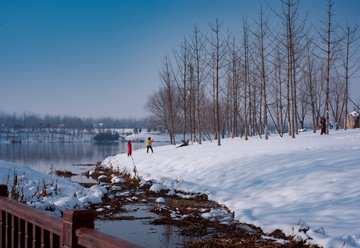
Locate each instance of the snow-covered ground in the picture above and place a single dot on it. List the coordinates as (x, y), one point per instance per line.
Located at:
(47, 192)
(281, 183)
(144, 135)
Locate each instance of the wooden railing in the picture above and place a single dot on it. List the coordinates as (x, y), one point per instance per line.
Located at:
(24, 226)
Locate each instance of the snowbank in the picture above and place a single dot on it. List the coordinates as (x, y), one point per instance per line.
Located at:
(274, 184)
(46, 192)
(144, 135)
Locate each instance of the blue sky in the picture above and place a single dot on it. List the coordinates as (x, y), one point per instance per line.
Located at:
(101, 58)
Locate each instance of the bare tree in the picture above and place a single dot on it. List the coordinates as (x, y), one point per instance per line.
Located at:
(198, 54)
(245, 44)
(330, 40)
(262, 54)
(293, 43)
(278, 91)
(226, 106)
(336, 99)
(320, 84)
(310, 84)
(162, 104)
(350, 62)
(235, 90)
(290, 14)
(192, 101)
(182, 59)
(303, 104)
(218, 53)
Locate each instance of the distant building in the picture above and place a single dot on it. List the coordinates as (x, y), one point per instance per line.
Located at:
(97, 125)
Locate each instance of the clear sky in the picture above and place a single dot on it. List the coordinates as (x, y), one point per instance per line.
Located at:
(101, 58)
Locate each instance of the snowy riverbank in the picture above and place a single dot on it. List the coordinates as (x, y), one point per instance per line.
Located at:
(281, 183)
(71, 135)
(47, 192)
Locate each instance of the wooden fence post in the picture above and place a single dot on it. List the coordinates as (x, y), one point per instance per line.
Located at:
(75, 219)
(3, 190)
(3, 237)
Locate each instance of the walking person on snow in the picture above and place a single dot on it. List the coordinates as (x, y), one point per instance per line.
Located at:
(129, 148)
(148, 145)
(323, 125)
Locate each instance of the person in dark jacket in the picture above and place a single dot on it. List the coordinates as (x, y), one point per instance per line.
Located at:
(323, 125)
(129, 149)
(184, 143)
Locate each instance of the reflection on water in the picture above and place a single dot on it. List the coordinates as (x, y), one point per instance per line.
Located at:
(140, 232)
(40, 156)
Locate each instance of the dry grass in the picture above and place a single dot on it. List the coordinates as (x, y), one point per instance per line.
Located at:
(212, 233)
(42, 188)
(64, 173)
(84, 164)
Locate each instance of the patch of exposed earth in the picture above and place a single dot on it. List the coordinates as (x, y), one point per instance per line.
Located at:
(211, 224)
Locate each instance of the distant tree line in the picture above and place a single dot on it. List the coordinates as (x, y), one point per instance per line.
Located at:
(35, 121)
(106, 136)
(218, 85)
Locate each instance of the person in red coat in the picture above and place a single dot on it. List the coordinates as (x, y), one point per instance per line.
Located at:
(129, 148)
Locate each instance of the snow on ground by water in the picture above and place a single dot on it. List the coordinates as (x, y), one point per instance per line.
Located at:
(59, 194)
(144, 135)
(28, 135)
(277, 183)
(281, 183)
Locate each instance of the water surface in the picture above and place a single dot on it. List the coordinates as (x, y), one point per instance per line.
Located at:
(64, 155)
(140, 231)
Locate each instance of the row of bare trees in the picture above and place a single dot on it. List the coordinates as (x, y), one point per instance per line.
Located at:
(217, 85)
(35, 121)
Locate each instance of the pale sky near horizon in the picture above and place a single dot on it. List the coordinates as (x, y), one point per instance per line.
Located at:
(93, 58)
